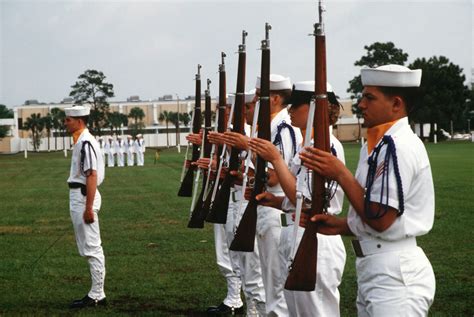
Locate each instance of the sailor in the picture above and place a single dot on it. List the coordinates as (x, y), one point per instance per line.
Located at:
(248, 263)
(227, 261)
(286, 138)
(391, 198)
(119, 148)
(101, 145)
(129, 150)
(109, 150)
(86, 174)
(331, 254)
(139, 149)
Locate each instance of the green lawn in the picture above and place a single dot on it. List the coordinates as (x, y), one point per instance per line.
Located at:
(155, 265)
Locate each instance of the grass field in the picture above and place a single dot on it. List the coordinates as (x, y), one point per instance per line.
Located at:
(155, 265)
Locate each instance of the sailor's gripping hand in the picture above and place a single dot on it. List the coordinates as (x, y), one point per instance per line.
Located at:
(323, 163)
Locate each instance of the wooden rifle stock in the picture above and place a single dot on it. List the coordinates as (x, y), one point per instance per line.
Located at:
(302, 275)
(218, 213)
(244, 239)
(221, 122)
(186, 188)
(198, 214)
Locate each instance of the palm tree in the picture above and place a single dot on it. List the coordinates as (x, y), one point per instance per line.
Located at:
(35, 124)
(166, 116)
(47, 122)
(137, 114)
(116, 120)
(57, 123)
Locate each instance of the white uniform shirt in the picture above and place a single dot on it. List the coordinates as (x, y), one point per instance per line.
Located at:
(286, 146)
(92, 159)
(417, 184)
(119, 146)
(295, 165)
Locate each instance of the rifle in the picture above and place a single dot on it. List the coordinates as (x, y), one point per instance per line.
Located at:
(186, 188)
(244, 239)
(220, 127)
(302, 272)
(220, 205)
(197, 215)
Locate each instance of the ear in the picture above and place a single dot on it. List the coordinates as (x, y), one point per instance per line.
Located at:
(398, 104)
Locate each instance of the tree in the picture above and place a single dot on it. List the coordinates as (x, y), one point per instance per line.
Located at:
(35, 124)
(47, 123)
(185, 118)
(378, 54)
(116, 120)
(92, 89)
(58, 115)
(5, 113)
(174, 118)
(444, 94)
(137, 114)
(166, 116)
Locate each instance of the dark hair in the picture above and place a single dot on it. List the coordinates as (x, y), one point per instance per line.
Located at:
(285, 94)
(410, 95)
(299, 98)
(85, 119)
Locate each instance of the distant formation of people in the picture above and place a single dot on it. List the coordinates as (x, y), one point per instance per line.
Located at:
(122, 150)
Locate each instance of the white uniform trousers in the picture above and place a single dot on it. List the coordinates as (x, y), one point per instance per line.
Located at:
(398, 283)
(140, 159)
(324, 300)
(88, 240)
(268, 241)
(120, 161)
(249, 262)
(110, 160)
(228, 266)
(129, 158)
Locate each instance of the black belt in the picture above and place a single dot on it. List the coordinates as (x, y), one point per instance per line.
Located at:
(78, 185)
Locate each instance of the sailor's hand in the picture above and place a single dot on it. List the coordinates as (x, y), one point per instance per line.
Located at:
(238, 177)
(216, 138)
(267, 199)
(236, 140)
(194, 138)
(322, 162)
(202, 163)
(330, 225)
(88, 216)
(266, 149)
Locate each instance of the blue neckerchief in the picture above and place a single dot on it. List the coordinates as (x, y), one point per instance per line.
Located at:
(390, 153)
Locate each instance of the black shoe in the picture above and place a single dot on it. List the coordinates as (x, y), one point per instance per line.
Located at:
(88, 302)
(223, 309)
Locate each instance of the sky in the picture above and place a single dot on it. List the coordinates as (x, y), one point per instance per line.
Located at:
(152, 48)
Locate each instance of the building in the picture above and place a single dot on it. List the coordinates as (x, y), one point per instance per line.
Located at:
(154, 130)
(347, 128)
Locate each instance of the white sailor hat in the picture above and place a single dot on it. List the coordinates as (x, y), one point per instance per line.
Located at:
(139, 135)
(249, 96)
(308, 85)
(391, 76)
(303, 91)
(230, 99)
(129, 136)
(277, 82)
(77, 111)
(110, 137)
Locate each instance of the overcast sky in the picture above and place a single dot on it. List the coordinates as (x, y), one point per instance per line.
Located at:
(151, 48)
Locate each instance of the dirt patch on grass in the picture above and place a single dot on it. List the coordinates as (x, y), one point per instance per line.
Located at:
(15, 229)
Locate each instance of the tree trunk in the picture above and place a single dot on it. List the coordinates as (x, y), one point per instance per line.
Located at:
(167, 137)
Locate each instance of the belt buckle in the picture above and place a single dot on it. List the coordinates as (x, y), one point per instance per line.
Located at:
(357, 248)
